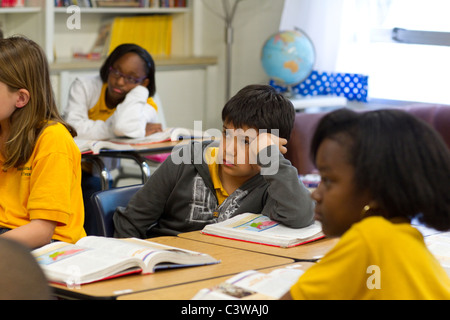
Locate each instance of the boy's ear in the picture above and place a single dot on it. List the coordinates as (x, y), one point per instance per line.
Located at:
(374, 205)
(23, 96)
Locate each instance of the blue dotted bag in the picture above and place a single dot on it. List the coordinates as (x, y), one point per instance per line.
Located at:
(352, 86)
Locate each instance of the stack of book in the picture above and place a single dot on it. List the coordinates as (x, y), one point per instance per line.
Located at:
(111, 3)
(12, 3)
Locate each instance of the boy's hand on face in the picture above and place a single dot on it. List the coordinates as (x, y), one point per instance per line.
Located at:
(265, 140)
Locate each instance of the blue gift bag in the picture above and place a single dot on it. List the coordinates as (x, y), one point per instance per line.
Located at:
(351, 86)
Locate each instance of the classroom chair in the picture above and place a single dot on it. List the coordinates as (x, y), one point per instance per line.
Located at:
(104, 205)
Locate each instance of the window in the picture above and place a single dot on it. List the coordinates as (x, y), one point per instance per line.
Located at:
(396, 70)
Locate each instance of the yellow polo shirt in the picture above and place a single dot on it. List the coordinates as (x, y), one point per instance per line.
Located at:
(47, 187)
(101, 112)
(211, 155)
(376, 259)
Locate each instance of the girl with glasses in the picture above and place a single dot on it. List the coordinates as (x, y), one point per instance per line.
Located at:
(117, 102)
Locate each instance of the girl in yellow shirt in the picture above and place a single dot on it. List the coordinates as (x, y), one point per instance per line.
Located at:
(378, 170)
(40, 174)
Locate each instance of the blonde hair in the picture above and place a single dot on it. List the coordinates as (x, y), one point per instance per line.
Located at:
(23, 65)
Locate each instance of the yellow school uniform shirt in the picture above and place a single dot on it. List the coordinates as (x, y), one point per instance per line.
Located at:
(101, 112)
(211, 156)
(47, 187)
(376, 259)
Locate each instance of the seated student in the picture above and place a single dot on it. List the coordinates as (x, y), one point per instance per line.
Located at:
(22, 277)
(379, 170)
(40, 176)
(188, 191)
(118, 101)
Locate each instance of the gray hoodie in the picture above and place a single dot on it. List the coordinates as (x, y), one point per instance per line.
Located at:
(180, 197)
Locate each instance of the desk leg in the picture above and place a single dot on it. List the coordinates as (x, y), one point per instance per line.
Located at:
(105, 175)
(145, 168)
(143, 165)
(136, 157)
(99, 165)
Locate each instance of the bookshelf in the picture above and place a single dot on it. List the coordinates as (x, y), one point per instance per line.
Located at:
(62, 41)
(193, 77)
(20, 10)
(45, 23)
(23, 20)
(126, 10)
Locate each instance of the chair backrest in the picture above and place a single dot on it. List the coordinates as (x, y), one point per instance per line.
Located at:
(105, 203)
(438, 116)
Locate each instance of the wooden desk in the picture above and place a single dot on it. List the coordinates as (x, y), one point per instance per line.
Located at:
(232, 261)
(306, 252)
(188, 290)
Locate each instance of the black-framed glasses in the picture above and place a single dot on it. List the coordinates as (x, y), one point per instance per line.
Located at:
(126, 78)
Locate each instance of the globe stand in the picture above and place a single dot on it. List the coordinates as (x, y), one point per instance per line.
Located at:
(230, 12)
(289, 93)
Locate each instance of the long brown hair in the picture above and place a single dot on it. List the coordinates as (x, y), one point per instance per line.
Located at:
(23, 65)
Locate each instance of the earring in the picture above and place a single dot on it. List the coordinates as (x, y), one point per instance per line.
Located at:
(364, 211)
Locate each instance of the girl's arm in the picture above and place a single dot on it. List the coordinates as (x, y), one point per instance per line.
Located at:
(132, 115)
(82, 96)
(34, 234)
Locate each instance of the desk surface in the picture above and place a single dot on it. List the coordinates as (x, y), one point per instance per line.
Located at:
(232, 261)
(305, 252)
(148, 149)
(137, 155)
(151, 148)
(188, 290)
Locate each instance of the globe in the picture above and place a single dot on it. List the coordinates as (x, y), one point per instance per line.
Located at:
(288, 57)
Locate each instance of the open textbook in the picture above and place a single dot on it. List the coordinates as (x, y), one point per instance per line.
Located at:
(97, 258)
(253, 285)
(439, 245)
(124, 144)
(258, 228)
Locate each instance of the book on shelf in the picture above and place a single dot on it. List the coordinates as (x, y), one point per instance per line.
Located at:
(113, 3)
(12, 3)
(152, 32)
(253, 285)
(129, 144)
(257, 228)
(172, 3)
(119, 3)
(100, 47)
(93, 259)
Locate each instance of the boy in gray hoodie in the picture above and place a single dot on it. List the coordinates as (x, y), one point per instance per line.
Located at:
(207, 182)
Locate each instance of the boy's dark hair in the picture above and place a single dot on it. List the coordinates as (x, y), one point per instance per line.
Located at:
(260, 107)
(122, 49)
(401, 160)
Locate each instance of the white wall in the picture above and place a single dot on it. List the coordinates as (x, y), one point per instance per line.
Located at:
(320, 20)
(254, 22)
